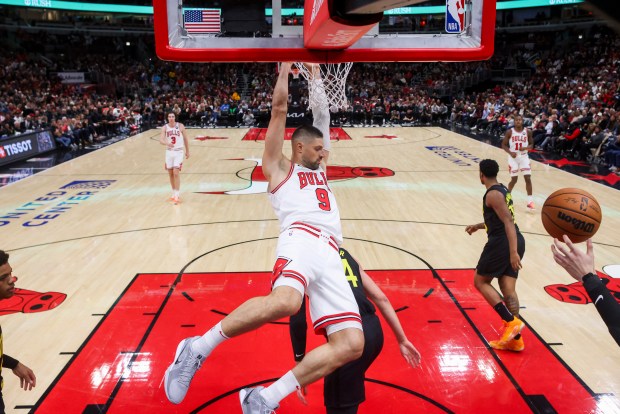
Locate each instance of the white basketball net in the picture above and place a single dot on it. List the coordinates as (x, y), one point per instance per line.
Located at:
(331, 91)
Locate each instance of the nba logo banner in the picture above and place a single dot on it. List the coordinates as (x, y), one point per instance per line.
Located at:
(455, 16)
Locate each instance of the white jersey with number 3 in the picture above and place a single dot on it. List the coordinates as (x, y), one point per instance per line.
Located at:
(518, 141)
(174, 136)
(304, 196)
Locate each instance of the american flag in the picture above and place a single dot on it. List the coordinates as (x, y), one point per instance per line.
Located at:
(202, 20)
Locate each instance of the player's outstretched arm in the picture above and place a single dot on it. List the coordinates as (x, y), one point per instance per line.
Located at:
(274, 162)
(374, 292)
(320, 107)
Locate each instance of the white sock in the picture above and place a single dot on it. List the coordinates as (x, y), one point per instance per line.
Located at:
(276, 392)
(207, 343)
(176, 193)
(530, 199)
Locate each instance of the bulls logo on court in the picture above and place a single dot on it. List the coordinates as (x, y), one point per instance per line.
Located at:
(575, 292)
(29, 301)
(258, 182)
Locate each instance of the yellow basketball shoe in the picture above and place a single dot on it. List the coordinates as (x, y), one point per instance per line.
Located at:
(515, 345)
(511, 329)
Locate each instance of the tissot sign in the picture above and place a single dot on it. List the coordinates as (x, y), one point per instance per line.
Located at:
(25, 146)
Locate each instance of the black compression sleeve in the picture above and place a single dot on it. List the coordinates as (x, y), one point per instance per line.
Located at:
(298, 327)
(606, 305)
(9, 362)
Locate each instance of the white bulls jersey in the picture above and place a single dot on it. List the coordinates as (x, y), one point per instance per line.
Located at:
(304, 196)
(174, 136)
(518, 141)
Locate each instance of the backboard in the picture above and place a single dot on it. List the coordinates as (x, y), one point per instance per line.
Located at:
(252, 31)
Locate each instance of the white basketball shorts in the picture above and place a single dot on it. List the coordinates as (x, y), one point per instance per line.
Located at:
(174, 159)
(521, 163)
(308, 261)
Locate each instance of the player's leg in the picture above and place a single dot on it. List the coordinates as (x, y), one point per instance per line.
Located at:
(507, 285)
(528, 184)
(512, 324)
(486, 289)
(513, 170)
(177, 181)
(177, 164)
(495, 262)
(333, 311)
(528, 188)
(527, 176)
(344, 389)
(343, 346)
(171, 177)
(513, 181)
(289, 284)
(170, 168)
(508, 280)
(283, 301)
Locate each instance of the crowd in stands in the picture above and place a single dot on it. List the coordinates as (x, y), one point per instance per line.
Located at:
(571, 103)
(570, 100)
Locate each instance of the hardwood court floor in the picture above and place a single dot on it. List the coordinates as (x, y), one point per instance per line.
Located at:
(139, 274)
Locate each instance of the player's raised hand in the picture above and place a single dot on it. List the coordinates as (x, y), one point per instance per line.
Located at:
(575, 261)
(285, 67)
(314, 69)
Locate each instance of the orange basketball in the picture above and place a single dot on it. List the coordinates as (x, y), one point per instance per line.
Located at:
(573, 212)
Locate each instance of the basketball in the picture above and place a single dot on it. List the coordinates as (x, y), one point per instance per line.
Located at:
(573, 212)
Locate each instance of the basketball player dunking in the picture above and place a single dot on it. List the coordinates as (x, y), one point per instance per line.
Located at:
(517, 142)
(501, 256)
(174, 138)
(307, 262)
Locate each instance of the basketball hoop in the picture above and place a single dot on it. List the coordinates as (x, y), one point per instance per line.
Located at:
(331, 90)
